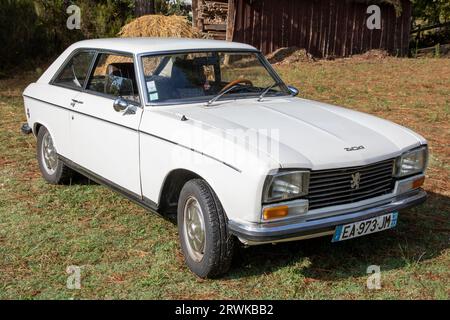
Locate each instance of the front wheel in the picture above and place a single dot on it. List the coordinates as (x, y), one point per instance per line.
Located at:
(205, 241)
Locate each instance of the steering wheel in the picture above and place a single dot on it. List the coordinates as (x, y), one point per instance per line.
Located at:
(235, 82)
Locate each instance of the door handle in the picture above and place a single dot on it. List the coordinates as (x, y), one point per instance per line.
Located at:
(77, 101)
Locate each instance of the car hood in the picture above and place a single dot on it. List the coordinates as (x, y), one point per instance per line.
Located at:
(307, 134)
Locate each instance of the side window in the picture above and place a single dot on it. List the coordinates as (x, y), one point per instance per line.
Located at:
(114, 75)
(75, 72)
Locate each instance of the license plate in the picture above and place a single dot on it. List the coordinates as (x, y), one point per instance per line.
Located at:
(361, 228)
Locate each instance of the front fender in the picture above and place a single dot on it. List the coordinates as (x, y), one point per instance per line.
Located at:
(239, 191)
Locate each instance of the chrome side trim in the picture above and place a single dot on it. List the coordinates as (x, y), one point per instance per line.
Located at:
(78, 112)
(139, 131)
(284, 230)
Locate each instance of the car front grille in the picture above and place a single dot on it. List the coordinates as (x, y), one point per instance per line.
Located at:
(341, 186)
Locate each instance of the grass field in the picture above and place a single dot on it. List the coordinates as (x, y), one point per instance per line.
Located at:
(126, 252)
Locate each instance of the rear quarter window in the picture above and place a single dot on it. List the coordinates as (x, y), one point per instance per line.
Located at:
(75, 72)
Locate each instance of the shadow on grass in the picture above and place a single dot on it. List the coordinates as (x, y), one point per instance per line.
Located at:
(79, 179)
(422, 233)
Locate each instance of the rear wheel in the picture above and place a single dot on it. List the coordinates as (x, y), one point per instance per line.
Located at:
(52, 169)
(205, 241)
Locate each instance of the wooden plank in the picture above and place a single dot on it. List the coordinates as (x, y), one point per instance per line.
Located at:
(248, 21)
(217, 35)
(330, 29)
(336, 47)
(319, 30)
(407, 11)
(293, 24)
(255, 30)
(310, 26)
(382, 32)
(314, 30)
(345, 24)
(326, 27)
(262, 29)
(271, 14)
(352, 33)
(215, 27)
(194, 13)
(361, 27)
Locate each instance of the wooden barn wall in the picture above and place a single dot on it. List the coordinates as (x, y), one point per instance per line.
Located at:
(323, 27)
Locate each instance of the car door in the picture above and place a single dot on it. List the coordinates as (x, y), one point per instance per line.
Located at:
(57, 97)
(104, 132)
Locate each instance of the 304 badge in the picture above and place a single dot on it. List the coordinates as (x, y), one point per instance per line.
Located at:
(364, 227)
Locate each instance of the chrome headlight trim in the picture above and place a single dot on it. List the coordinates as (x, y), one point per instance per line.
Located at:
(418, 161)
(286, 179)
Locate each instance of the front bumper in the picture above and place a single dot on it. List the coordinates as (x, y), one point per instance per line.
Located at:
(259, 233)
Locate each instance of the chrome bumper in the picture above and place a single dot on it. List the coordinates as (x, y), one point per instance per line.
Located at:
(260, 233)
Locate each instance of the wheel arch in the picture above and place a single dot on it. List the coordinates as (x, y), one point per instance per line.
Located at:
(171, 188)
(57, 140)
(36, 127)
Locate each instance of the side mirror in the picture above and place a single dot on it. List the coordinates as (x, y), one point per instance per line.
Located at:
(293, 90)
(120, 105)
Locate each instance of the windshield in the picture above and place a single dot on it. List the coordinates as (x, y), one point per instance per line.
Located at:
(199, 76)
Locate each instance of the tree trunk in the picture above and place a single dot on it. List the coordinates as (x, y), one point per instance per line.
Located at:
(143, 7)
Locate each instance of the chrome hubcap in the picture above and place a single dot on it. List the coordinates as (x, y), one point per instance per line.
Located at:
(49, 154)
(194, 229)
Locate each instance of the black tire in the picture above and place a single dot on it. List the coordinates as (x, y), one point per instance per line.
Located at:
(61, 174)
(219, 243)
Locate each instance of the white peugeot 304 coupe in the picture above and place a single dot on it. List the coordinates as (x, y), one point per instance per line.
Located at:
(207, 131)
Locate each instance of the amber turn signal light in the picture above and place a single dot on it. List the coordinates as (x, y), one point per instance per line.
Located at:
(417, 183)
(275, 212)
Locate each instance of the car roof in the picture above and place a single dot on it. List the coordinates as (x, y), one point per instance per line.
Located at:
(150, 45)
(140, 46)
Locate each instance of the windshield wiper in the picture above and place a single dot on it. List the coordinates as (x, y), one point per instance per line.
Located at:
(220, 94)
(266, 90)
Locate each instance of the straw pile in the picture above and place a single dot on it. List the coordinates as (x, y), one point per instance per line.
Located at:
(288, 55)
(159, 26)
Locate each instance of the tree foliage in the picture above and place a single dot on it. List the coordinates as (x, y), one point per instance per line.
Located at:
(31, 29)
(431, 11)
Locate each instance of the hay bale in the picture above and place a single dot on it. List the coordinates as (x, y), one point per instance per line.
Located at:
(159, 26)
